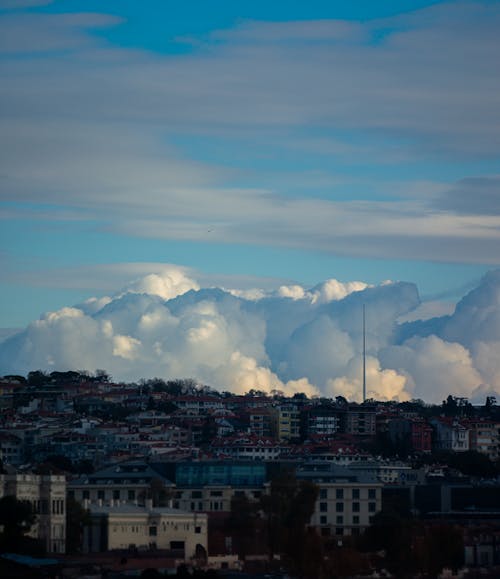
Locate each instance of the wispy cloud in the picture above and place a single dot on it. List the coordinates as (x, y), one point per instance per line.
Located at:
(88, 126)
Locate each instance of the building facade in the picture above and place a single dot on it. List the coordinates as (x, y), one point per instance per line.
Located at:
(47, 496)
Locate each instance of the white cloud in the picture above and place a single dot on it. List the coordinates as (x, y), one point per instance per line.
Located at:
(380, 384)
(168, 284)
(233, 343)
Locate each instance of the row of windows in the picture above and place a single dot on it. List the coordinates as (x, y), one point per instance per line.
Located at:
(339, 507)
(339, 493)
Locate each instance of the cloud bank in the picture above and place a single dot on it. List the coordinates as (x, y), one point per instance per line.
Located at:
(294, 339)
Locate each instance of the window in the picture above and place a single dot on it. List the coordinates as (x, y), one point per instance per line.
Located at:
(340, 519)
(339, 493)
(355, 493)
(153, 531)
(355, 520)
(372, 493)
(116, 495)
(100, 495)
(339, 531)
(131, 495)
(86, 495)
(322, 520)
(323, 493)
(355, 507)
(215, 493)
(197, 530)
(339, 507)
(372, 507)
(323, 507)
(196, 495)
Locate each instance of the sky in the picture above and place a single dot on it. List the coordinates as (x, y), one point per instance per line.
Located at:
(249, 144)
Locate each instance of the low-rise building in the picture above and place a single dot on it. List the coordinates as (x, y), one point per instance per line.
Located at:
(127, 527)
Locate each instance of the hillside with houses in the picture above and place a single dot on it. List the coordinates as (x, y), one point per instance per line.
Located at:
(169, 473)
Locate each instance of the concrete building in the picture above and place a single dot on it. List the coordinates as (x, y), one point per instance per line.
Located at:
(47, 496)
(131, 482)
(346, 503)
(128, 527)
(484, 437)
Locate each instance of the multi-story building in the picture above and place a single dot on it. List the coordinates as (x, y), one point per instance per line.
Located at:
(131, 482)
(358, 420)
(451, 434)
(47, 496)
(484, 437)
(319, 420)
(346, 503)
(288, 422)
(209, 486)
(11, 449)
(421, 436)
(249, 447)
(262, 421)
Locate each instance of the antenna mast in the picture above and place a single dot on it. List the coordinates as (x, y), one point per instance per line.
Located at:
(364, 354)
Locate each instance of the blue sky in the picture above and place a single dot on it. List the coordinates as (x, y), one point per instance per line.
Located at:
(254, 142)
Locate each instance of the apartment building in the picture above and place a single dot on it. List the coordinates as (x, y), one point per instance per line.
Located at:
(346, 503)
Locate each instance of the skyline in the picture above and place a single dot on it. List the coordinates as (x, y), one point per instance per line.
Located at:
(259, 146)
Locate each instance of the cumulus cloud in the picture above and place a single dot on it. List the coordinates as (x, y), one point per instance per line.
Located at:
(168, 284)
(380, 384)
(293, 339)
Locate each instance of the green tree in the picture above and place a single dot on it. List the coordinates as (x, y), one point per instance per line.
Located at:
(394, 534)
(288, 508)
(244, 525)
(37, 378)
(16, 519)
(76, 519)
(443, 547)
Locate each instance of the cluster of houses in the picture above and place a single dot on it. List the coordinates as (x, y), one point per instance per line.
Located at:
(157, 468)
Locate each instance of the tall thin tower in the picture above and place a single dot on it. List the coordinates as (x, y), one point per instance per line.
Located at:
(364, 354)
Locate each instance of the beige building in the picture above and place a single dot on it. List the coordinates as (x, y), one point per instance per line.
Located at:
(288, 422)
(47, 495)
(346, 508)
(138, 527)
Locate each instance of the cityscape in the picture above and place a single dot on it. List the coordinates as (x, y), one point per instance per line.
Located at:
(174, 476)
(250, 289)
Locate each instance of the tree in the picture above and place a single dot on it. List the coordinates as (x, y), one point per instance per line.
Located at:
(244, 525)
(76, 519)
(394, 534)
(16, 519)
(289, 507)
(37, 378)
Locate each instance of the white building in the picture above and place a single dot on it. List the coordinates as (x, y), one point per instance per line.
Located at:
(134, 527)
(451, 434)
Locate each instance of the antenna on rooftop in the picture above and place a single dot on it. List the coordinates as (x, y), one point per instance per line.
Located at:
(364, 354)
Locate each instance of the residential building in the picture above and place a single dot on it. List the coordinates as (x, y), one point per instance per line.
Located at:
(346, 503)
(484, 437)
(451, 434)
